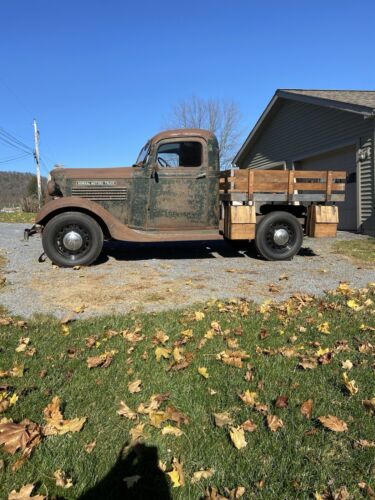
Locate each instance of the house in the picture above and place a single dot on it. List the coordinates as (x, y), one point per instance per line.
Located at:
(321, 130)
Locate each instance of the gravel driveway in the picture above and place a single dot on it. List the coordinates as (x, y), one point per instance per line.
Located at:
(156, 276)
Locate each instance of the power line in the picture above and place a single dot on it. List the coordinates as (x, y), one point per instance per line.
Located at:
(13, 158)
(12, 138)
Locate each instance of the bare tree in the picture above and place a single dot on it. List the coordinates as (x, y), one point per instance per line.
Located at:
(221, 117)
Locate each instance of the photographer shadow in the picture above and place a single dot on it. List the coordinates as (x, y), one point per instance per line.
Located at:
(134, 476)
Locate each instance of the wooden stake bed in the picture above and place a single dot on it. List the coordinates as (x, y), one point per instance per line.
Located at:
(282, 185)
(239, 189)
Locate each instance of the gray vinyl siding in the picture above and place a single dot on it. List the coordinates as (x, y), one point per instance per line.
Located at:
(297, 130)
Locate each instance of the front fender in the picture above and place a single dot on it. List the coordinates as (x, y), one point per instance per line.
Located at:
(115, 229)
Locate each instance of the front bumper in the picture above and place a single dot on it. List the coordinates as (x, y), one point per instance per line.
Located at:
(36, 228)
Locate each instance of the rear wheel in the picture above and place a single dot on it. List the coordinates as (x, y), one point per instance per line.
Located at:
(279, 236)
(72, 239)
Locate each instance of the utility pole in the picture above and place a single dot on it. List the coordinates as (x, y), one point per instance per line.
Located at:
(37, 161)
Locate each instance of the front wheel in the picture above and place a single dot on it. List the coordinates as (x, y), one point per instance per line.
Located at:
(72, 239)
(279, 236)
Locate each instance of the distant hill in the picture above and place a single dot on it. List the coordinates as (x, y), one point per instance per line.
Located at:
(13, 187)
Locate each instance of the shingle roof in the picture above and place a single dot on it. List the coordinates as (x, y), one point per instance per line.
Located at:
(363, 98)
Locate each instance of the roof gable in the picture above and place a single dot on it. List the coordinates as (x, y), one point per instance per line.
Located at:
(353, 101)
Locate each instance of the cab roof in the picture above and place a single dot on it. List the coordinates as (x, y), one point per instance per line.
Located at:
(183, 132)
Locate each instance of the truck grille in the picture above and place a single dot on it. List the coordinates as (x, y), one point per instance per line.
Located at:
(101, 193)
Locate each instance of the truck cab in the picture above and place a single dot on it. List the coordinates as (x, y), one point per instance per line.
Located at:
(171, 192)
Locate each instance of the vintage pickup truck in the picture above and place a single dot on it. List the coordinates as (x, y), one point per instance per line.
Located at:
(176, 192)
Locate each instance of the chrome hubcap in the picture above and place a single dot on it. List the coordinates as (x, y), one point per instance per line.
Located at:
(72, 241)
(281, 237)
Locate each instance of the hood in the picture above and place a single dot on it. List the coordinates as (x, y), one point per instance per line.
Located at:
(93, 173)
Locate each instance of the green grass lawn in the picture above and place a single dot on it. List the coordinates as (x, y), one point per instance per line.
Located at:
(23, 217)
(299, 459)
(359, 250)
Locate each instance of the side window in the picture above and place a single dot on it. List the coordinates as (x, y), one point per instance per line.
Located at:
(179, 154)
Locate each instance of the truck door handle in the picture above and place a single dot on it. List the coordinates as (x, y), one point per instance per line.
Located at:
(201, 176)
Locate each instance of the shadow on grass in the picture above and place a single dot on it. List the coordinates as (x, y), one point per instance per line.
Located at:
(140, 466)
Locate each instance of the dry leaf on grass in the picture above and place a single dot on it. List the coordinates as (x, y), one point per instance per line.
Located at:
(25, 494)
(203, 371)
(324, 328)
(125, 411)
(308, 363)
(62, 480)
(24, 437)
(136, 433)
(274, 423)
(199, 315)
(282, 401)
(306, 408)
(177, 474)
(157, 418)
(223, 419)
(23, 342)
(347, 364)
(350, 385)
(89, 447)
(176, 416)
(237, 436)
(134, 386)
(56, 425)
(202, 474)
(16, 371)
(162, 352)
(171, 430)
(103, 360)
(232, 358)
(249, 398)
(249, 426)
(364, 443)
(369, 404)
(333, 423)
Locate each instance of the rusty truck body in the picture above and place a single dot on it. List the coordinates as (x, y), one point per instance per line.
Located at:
(176, 192)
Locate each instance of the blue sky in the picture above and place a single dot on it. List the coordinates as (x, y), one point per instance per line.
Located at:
(101, 76)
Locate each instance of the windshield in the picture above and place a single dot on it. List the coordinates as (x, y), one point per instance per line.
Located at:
(142, 157)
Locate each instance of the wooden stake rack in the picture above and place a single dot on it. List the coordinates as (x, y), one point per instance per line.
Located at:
(282, 185)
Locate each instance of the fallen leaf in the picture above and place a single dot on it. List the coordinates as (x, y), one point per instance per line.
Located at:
(308, 363)
(202, 474)
(89, 447)
(349, 384)
(125, 411)
(160, 337)
(91, 341)
(131, 480)
(177, 474)
(324, 328)
(364, 443)
(25, 494)
(16, 371)
(333, 423)
(222, 419)
(347, 365)
(62, 480)
(261, 408)
(56, 425)
(249, 426)
(134, 386)
(249, 398)
(203, 371)
(274, 423)
(306, 408)
(237, 436)
(157, 418)
(136, 432)
(369, 404)
(22, 344)
(199, 315)
(352, 304)
(162, 352)
(24, 436)
(174, 431)
(283, 277)
(103, 360)
(176, 416)
(65, 330)
(282, 401)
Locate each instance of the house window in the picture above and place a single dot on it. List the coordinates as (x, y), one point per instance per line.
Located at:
(179, 154)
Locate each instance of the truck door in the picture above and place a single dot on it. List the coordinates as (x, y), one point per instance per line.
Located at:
(183, 189)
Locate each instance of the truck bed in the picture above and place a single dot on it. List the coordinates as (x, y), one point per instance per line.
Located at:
(282, 186)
